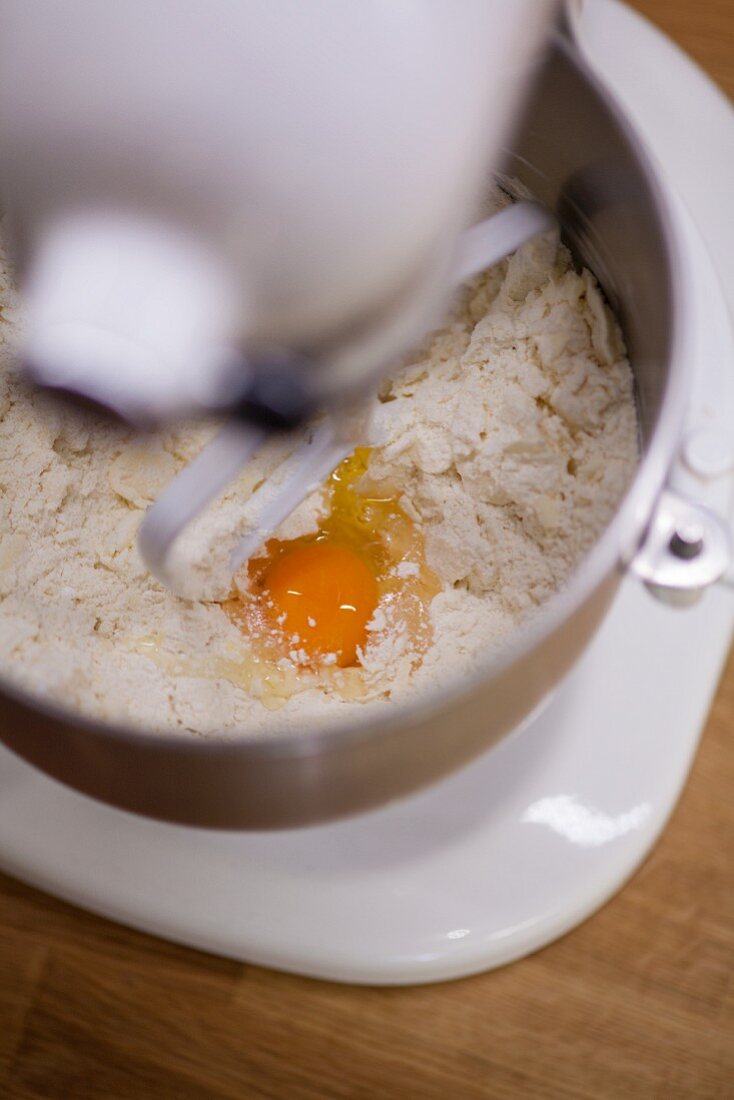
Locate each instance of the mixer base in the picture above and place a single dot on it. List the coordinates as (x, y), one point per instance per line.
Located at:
(499, 859)
(488, 865)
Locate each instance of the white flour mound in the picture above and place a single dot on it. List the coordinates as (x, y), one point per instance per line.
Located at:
(511, 433)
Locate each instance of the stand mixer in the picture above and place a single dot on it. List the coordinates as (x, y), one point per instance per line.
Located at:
(507, 853)
(242, 209)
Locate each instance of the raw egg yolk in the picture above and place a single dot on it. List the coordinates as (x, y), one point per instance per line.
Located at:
(322, 595)
(305, 603)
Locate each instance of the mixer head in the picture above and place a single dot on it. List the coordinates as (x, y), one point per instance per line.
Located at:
(224, 209)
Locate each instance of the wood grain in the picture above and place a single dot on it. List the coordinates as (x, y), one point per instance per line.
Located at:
(704, 28)
(638, 1002)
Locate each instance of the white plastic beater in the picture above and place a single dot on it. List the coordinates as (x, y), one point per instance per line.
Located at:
(325, 445)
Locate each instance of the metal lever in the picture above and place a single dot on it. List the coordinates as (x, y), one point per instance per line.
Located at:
(687, 549)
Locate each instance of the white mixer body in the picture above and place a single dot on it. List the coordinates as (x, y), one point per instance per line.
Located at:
(310, 164)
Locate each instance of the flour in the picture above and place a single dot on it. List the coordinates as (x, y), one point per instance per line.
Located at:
(510, 436)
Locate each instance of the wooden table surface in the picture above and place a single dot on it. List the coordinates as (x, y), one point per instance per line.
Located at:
(638, 1002)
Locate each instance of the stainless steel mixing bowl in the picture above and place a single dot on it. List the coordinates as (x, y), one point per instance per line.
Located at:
(579, 156)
